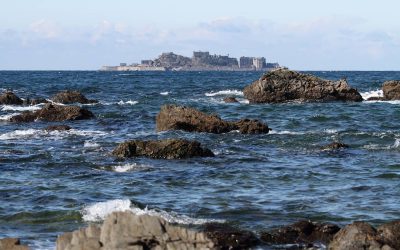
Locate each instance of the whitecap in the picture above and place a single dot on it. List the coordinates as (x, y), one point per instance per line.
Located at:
(225, 92)
(19, 108)
(285, 132)
(19, 134)
(373, 93)
(52, 135)
(90, 144)
(7, 117)
(99, 211)
(164, 93)
(129, 167)
(396, 144)
(130, 102)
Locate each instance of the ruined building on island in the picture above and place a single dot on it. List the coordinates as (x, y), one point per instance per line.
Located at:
(200, 61)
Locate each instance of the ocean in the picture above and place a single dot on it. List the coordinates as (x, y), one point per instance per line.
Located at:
(54, 182)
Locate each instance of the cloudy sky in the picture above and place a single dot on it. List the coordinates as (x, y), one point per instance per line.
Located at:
(303, 35)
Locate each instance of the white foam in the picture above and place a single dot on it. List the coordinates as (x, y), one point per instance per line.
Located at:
(129, 167)
(7, 117)
(285, 132)
(20, 108)
(372, 93)
(225, 92)
(90, 144)
(53, 135)
(164, 93)
(396, 144)
(130, 102)
(99, 211)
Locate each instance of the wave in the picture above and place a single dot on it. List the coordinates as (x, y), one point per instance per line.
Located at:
(129, 167)
(130, 102)
(99, 211)
(372, 93)
(53, 135)
(7, 117)
(287, 132)
(225, 92)
(90, 144)
(20, 108)
(165, 93)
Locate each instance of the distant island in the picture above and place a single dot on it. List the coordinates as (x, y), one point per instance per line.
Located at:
(200, 61)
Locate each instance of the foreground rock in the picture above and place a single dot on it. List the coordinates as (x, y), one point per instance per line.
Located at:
(335, 146)
(172, 117)
(69, 97)
(12, 244)
(124, 230)
(230, 99)
(9, 98)
(391, 90)
(162, 149)
(57, 128)
(301, 233)
(283, 85)
(54, 113)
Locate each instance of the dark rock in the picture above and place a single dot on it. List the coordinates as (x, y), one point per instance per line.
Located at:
(227, 237)
(230, 99)
(391, 90)
(172, 117)
(68, 97)
(162, 149)
(58, 128)
(302, 232)
(334, 146)
(124, 230)
(54, 113)
(376, 98)
(389, 233)
(283, 85)
(12, 244)
(9, 98)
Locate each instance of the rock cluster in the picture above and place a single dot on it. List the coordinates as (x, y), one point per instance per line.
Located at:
(70, 96)
(173, 117)
(162, 149)
(283, 85)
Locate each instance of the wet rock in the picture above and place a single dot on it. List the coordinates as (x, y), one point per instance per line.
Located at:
(390, 234)
(9, 98)
(302, 232)
(230, 99)
(54, 113)
(172, 117)
(391, 90)
(283, 85)
(335, 146)
(68, 97)
(35, 101)
(376, 98)
(227, 237)
(124, 230)
(12, 244)
(58, 128)
(162, 149)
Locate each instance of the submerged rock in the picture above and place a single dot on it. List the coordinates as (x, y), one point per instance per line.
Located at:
(283, 85)
(68, 97)
(162, 149)
(391, 90)
(230, 99)
(35, 101)
(334, 146)
(9, 98)
(58, 128)
(172, 117)
(54, 113)
(12, 244)
(125, 230)
(376, 98)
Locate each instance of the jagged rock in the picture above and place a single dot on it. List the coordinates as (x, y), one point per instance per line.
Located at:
(302, 232)
(283, 85)
(12, 244)
(172, 117)
(230, 99)
(9, 98)
(334, 146)
(391, 90)
(390, 234)
(227, 237)
(124, 230)
(68, 97)
(57, 128)
(162, 149)
(54, 113)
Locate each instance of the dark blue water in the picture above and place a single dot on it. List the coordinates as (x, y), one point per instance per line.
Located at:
(52, 182)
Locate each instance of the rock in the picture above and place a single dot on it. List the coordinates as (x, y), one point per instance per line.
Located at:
(68, 97)
(230, 99)
(162, 149)
(376, 98)
(334, 146)
(125, 230)
(9, 98)
(172, 117)
(302, 232)
(390, 234)
(54, 113)
(283, 85)
(227, 237)
(391, 90)
(57, 128)
(12, 244)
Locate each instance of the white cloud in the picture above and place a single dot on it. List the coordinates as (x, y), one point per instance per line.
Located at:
(45, 28)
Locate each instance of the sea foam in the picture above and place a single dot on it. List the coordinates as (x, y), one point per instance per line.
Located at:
(52, 135)
(19, 108)
(164, 93)
(129, 167)
(372, 93)
(130, 102)
(225, 92)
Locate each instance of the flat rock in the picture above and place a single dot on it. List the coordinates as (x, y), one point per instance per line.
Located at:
(173, 117)
(162, 149)
(57, 128)
(230, 99)
(9, 98)
(335, 146)
(54, 113)
(69, 97)
(283, 85)
(391, 90)
(12, 244)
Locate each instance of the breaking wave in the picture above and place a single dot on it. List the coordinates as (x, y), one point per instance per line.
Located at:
(129, 167)
(7, 117)
(53, 135)
(164, 93)
(20, 108)
(130, 102)
(225, 92)
(372, 93)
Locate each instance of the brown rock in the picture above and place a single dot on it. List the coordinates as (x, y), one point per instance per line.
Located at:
(376, 98)
(57, 128)
(391, 90)
(172, 117)
(230, 99)
(162, 149)
(68, 97)
(9, 98)
(283, 85)
(334, 146)
(54, 113)
(12, 244)
(390, 234)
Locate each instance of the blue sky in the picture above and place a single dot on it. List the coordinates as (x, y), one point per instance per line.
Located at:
(304, 35)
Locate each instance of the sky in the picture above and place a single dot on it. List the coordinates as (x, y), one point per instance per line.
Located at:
(302, 35)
